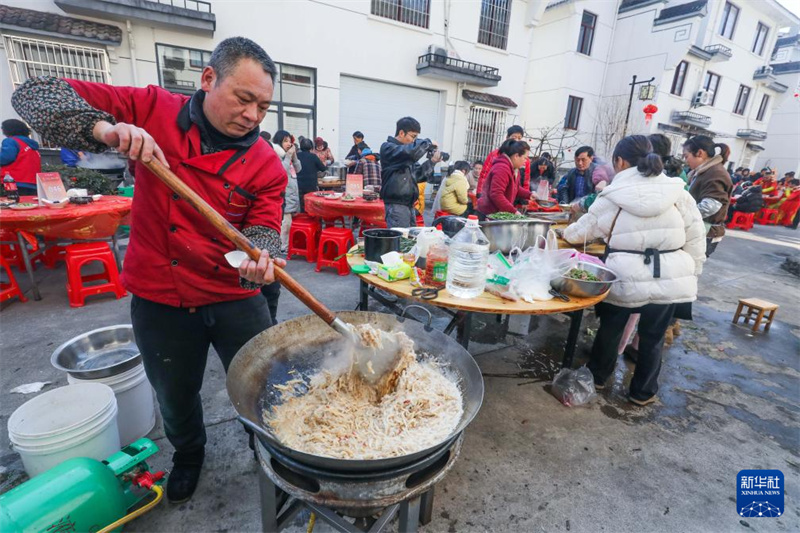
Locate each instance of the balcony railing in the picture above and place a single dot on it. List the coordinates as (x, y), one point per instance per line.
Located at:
(719, 51)
(690, 118)
(755, 135)
(764, 72)
(193, 5)
(442, 66)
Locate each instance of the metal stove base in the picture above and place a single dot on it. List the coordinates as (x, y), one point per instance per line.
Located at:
(278, 509)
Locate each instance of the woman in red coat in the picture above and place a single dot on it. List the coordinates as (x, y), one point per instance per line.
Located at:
(787, 207)
(501, 189)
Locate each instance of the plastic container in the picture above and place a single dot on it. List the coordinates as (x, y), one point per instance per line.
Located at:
(466, 265)
(436, 266)
(74, 421)
(136, 413)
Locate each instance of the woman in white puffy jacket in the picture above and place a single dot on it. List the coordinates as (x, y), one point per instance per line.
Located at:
(656, 246)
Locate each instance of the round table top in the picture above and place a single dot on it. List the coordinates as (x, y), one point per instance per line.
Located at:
(324, 207)
(330, 184)
(485, 303)
(97, 219)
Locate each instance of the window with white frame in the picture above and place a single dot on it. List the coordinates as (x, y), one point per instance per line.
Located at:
(586, 34)
(730, 15)
(486, 129)
(760, 41)
(179, 68)
(742, 96)
(762, 109)
(30, 58)
(679, 79)
(711, 84)
(414, 12)
(493, 30)
(573, 116)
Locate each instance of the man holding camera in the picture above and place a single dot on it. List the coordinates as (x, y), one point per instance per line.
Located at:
(400, 172)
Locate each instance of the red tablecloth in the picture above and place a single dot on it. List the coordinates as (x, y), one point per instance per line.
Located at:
(96, 220)
(320, 206)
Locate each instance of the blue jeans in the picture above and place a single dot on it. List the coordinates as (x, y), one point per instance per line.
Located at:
(174, 344)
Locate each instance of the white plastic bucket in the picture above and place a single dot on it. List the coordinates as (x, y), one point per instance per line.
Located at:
(136, 415)
(73, 421)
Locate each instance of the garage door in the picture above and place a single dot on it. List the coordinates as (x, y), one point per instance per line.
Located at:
(373, 108)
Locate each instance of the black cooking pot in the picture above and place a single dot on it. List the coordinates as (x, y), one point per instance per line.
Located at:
(380, 241)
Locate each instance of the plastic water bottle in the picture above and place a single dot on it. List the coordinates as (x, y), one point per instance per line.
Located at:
(466, 263)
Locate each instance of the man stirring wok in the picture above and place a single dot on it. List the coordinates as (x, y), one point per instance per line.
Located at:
(185, 296)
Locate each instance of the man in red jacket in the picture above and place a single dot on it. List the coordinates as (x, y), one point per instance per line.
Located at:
(516, 133)
(185, 296)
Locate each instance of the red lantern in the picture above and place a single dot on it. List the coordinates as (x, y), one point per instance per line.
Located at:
(649, 111)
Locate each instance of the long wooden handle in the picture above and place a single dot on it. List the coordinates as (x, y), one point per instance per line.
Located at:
(243, 243)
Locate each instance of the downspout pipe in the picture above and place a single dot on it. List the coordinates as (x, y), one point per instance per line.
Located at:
(132, 46)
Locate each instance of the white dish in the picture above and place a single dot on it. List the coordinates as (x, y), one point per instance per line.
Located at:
(55, 205)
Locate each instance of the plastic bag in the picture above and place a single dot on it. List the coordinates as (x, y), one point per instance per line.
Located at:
(537, 265)
(573, 387)
(498, 278)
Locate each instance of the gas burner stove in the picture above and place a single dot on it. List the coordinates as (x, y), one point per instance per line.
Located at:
(371, 499)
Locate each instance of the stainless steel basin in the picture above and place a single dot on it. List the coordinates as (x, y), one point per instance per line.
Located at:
(586, 289)
(504, 235)
(99, 353)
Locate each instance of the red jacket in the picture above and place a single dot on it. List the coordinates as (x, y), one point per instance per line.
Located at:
(501, 189)
(175, 257)
(27, 164)
(487, 166)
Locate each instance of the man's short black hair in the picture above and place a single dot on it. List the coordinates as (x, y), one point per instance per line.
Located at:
(358, 135)
(478, 162)
(515, 129)
(738, 169)
(585, 150)
(547, 155)
(408, 125)
(227, 54)
(15, 128)
(306, 145)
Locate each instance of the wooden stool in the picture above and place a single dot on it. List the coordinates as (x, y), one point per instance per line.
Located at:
(755, 310)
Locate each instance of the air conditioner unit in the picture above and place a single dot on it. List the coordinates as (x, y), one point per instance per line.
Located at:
(437, 50)
(702, 97)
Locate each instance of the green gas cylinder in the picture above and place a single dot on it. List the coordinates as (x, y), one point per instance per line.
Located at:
(80, 494)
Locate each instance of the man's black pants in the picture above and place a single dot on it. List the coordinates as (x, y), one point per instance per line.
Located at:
(652, 325)
(174, 344)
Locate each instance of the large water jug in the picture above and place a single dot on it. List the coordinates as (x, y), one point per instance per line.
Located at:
(466, 263)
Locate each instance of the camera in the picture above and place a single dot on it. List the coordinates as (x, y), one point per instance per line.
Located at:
(432, 150)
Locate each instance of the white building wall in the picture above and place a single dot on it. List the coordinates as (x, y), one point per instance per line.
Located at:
(556, 70)
(337, 38)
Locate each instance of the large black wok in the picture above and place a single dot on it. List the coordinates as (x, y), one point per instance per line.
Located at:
(304, 345)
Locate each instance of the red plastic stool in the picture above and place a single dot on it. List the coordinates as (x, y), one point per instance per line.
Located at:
(338, 241)
(53, 255)
(303, 237)
(11, 253)
(331, 222)
(11, 289)
(741, 220)
(767, 217)
(79, 255)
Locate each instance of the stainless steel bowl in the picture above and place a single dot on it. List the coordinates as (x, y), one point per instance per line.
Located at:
(504, 235)
(555, 218)
(586, 289)
(99, 353)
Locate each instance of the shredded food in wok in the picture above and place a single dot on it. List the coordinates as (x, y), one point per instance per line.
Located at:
(341, 416)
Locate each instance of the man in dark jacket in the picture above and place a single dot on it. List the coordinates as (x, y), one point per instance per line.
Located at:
(400, 173)
(577, 183)
(750, 201)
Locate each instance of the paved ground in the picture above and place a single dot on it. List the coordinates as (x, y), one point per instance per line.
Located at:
(730, 400)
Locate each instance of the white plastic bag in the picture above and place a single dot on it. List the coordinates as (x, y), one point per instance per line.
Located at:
(537, 265)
